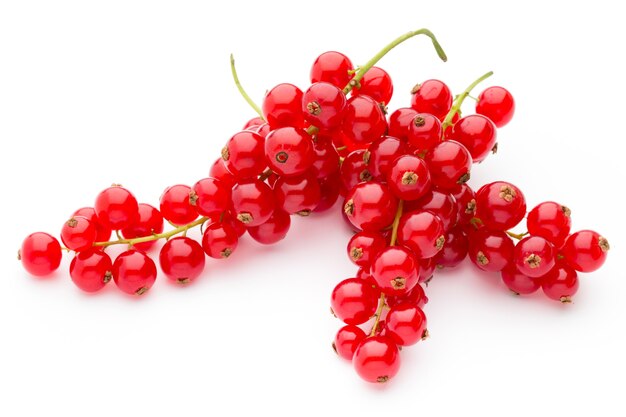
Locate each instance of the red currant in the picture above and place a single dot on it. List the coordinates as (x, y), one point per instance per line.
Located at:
(408, 177)
(394, 270)
(438, 203)
(289, 151)
(255, 122)
(182, 259)
(354, 301)
(586, 250)
(149, 222)
(377, 84)
(299, 194)
(332, 67)
(477, 133)
(550, 221)
(560, 283)
(329, 191)
(364, 121)
(497, 104)
(491, 250)
(220, 172)
(466, 202)
(500, 205)
(282, 106)
(103, 233)
(323, 105)
(518, 282)
(219, 240)
(354, 169)
(449, 163)
(346, 341)
(534, 256)
(326, 160)
(253, 202)
(381, 153)
(377, 359)
(364, 246)
(370, 206)
(91, 270)
(454, 250)
(244, 155)
(426, 269)
(400, 122)
(116, 208)
(134, 272)
(40, 254)
(416, 296)
(210, 196)
(422, 232)
(432, 96)
(78, 233)
(405, 324)
(273, 230)
(175, 205)
(425, 133)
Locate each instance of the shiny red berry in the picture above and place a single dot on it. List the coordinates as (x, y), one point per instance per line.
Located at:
(273, 230)
(289, 151)
(416, 296)
(299, 194)
(116, 208)
(381, 153)
(329, 191)
(182, 259)
(210, 196)
(422, 232)
(454, 250)
(439, 203)
(449, 163)
(377, 84)
(500, 205)
(377, 359)
(586, 250)
(560, 283)
(394, 270)
(400, 121)
(477, 133)
(219, 240)
(551, 221)
(255, 122)
(364, 246)
(466, 202)
(91, 270)
(405, 324)
(534, 256)
(425, 132)
(103, 233)
(408, 177)
(78, 233)
(491, 250)
(282, 106)
(175, 205)
(370, 206)
(432, 96)
(323, 105)
(326, 159)
(253, 202)
(40, 254)
(332, 67)
(355, 169)
(134, 272)
(517, 282)
(219, 171)
(244, 155)
(148, 223)
(364, 121)
(346, 341)
(354, 301)
(497, 104)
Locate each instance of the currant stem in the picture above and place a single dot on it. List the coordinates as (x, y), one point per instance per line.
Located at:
(358, 75)
(165, 235)
(265, 174)
(396, 221)
(379, 312)
(243, 93)
(518, 236)
(458, 100)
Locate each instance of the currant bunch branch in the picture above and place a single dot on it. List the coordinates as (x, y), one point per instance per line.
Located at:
(403, 182)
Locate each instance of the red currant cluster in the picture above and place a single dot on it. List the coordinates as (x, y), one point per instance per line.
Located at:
(403, 182)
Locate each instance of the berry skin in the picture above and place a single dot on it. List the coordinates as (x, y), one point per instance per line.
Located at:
(425, 133)
(78, 233)
(297, 195)
(586, 250)
(432, 96)
(273, 230)
(477, 133)
(500, 205)
(323, 105)
(346, 341)
(326, 160)
(149, 222)
(354, 169)
(289, 151)
(220, 172)
(370, 206)
(354, 301)
(534, 256)
(416, 296)
(466, 202)
(364, 121)
(449, 163)
(219, 240)
(421, 232)
(116, 208)
(253, 123)
(381, 153)
(560, 283)
(400, 122)
(91, 270)
(182, 259)
(517, 282)
(364, 246)
(426, 269)
(332, 67)
(454, 250)
(394, 270)
(282, 106)
(408, 177)
(497, 104)
(377, 84)
(134, 272)
(329, 190)
(210, 196)
(175, 205)
(253, 202)
(551, 221)
(103, 233)
(405, 324)
(440, 204)
(491, 250)
(40, 254)
(377, 359)
(244, 155)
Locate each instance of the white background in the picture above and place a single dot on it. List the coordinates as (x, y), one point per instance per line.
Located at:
(140, 93)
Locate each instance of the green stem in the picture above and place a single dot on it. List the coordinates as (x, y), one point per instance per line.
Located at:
(166, 235)
(379, 311)
(241, 90)
(363, 69)
(458, 101)
(518, 236)
(396, 221)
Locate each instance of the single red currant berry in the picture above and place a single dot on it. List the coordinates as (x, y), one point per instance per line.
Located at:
(40, 254)
(395, 270)
(551, 221)
(91, 270)
(149, 222)
(382, 153)
(332, 67)
(297, 195)
(517, 282)
(370, 206)
(477, 133)
(263, 130)
(441, 204)
(329, 190)
(586, 250)
(432, 96)
(377, 359)
(426, 269)
(210, 196)
(134, 272)
(220, 172)
(497, 104)
(416, 296)
(103, 233)
(449, 164)
(289, 151)
(282, 106)
(175, 205)
(400, 122)
(78, 233)
(182, 259)
(408, 177)
(377, 84)
(491, 250)
(326, 160)
(253, 202)
(244, 155)
(422, 232)
(219, 240)
(534, 256)
(346, 341)
(454, 250)
(273, 230)
(425, 132)
(466, 202)
(323, 105)
(354, 301)
(560, 283)
(116, 208)
(354, 169)
(405, 324)
(253, 123)
(500, 205)
(364, 121)
(364, 246)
